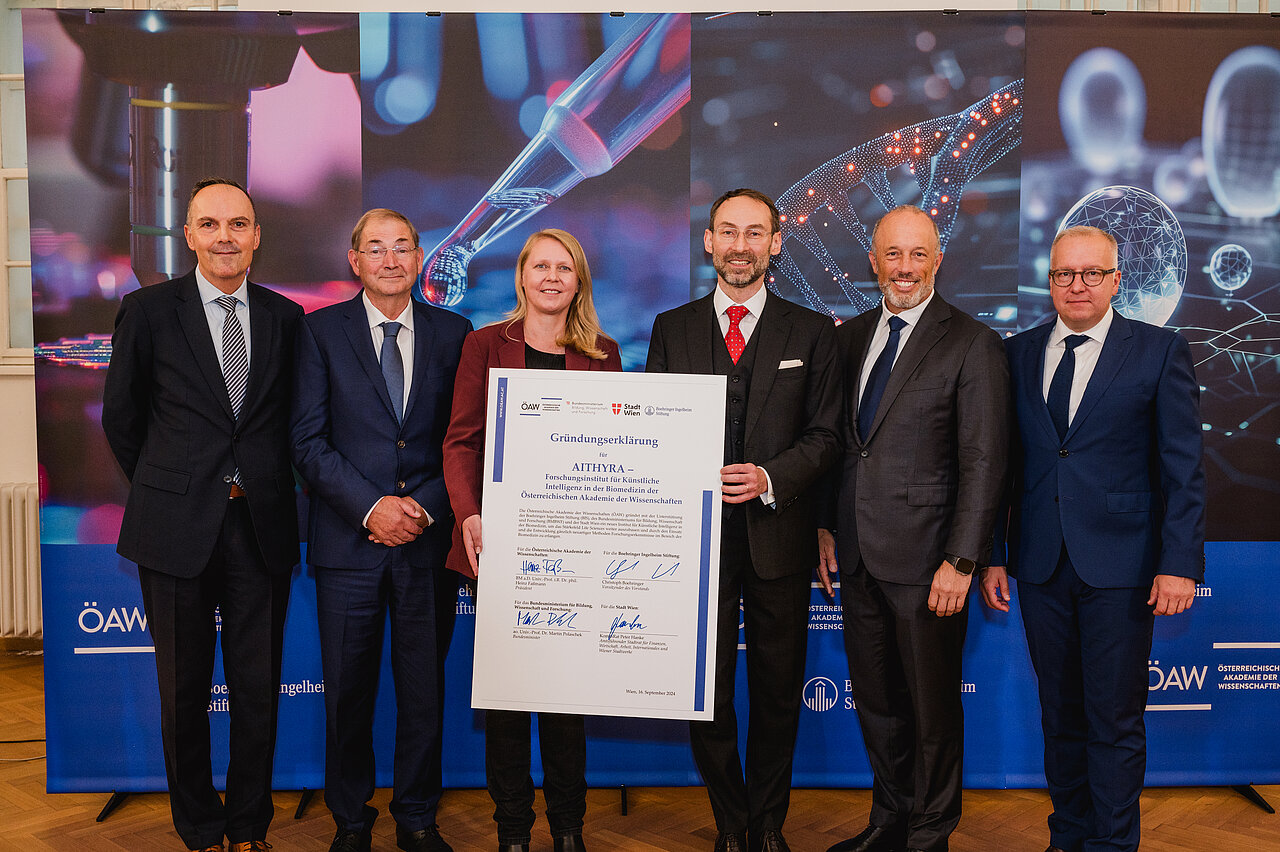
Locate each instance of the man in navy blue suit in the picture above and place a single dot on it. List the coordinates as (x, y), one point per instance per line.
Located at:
(1106, 531)
(371, 397)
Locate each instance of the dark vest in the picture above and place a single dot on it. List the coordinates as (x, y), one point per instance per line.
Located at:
(737, 388)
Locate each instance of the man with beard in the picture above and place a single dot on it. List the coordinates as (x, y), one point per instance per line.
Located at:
(781, 425)
(927, 398)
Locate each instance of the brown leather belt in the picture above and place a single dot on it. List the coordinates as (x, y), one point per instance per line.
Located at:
(236, 491)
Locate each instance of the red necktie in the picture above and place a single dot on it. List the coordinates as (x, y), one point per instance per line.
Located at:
(733, 337)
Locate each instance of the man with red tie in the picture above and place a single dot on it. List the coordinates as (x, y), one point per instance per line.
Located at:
(781, 413)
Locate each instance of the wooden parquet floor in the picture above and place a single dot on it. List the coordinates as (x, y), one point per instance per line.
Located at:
(672, 819)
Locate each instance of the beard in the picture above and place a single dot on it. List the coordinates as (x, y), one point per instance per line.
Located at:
(906, 301)
(740, 278)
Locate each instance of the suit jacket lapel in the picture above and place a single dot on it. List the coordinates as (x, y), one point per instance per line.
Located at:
(862, 327)
(355, 322)
(1115, 350)
(423, 338)
(195, 325)
(1032, 379)
(928, 331)
(698, 341)
(262, 330)
(771, 333)
(511, 349)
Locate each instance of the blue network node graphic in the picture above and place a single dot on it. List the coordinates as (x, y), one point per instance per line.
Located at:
(1153, 250)
(1230, 267)
(942, 154)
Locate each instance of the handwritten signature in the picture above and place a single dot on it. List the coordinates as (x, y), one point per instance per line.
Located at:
(545, 566)
(620, 566)
(621, 622)
(549, 618)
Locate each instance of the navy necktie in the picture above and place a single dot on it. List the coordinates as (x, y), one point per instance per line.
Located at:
(879, 377)
(1059, 399)
(393, 368)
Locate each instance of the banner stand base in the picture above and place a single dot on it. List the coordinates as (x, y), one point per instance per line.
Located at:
(118, 797)
(1254, 796)
(307, 793)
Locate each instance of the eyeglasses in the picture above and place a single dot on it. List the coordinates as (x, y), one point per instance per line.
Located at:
(378, 252)
(1090, 277)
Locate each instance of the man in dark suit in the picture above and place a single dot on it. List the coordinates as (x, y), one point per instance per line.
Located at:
(1106, 531)
(926, 390)
(195, 410)
(371, 399)
(780, 434)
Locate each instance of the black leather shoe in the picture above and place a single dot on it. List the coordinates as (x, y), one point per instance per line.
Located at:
(346, 840)
(730, 842)
(769, 841)
(423, 840)
(569, 843)
(874, 838)
(513, 847)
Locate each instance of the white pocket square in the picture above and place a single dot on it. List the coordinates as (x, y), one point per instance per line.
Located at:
(786, 365)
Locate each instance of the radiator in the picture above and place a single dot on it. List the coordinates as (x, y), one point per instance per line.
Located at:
(20, 560)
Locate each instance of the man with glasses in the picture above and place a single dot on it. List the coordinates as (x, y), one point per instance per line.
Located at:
(371, 398)
(1106, 530)
(781, 413)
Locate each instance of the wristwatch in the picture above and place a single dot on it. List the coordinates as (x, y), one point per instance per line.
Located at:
(962, 565)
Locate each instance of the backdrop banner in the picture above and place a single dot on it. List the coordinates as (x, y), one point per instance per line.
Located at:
(1003, 125)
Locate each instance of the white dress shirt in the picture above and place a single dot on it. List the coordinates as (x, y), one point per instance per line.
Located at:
(216, 316)
(1086, 358)
(746, 325)
(404, 340)
(910, 316)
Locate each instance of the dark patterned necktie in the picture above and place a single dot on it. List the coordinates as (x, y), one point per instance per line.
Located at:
(235, 358)
(879, 377)
(393, 367)
(1059, 399)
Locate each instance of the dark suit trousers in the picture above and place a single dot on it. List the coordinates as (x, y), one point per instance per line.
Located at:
(180, 616)
(904, 667)
(776, 614)
(352, 607)
(562, 740)
(1090, 650)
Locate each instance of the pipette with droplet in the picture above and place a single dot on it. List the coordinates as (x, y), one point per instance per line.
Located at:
(631, 89)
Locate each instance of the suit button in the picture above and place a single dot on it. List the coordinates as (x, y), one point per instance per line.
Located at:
(1055, 498)
(400, 444)
(864, 454)
(736, 379)
(226, 479)
(1063, 454)
(400, 485)
(736, 421)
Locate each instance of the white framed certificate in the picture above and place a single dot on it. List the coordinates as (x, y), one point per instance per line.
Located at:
(601, 526)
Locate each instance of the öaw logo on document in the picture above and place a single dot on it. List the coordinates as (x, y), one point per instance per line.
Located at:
(821, 694)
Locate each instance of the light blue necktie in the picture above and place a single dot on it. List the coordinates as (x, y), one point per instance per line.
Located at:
(393, 368)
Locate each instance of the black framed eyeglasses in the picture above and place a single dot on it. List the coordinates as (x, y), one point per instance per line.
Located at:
(1090, 277)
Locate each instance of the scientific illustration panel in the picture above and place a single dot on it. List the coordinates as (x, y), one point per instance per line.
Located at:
(844, 116)
(486, 128)
(1165, 129)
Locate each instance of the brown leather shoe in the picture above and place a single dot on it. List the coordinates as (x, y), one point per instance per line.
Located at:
(250, 846)
(217, 847)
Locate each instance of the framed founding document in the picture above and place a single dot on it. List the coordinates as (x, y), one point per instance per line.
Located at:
(601, 528)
